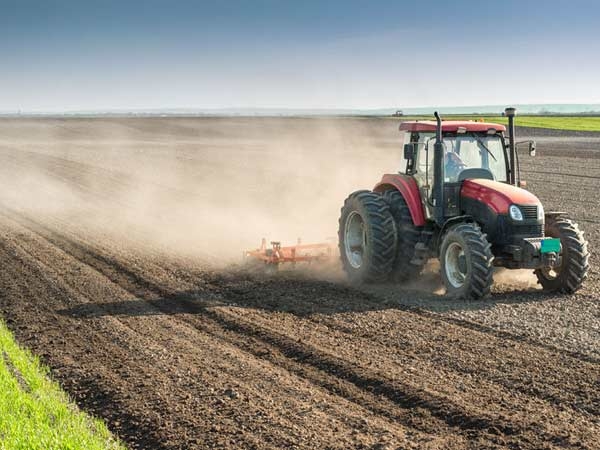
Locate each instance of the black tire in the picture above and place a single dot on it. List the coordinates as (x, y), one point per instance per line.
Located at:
(368, 255)
(474, 265)
(574, 267)
(408, 236)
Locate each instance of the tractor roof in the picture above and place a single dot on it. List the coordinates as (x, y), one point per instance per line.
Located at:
(450, 126)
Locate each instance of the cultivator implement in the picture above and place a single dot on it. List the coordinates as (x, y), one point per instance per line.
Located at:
(299, 253)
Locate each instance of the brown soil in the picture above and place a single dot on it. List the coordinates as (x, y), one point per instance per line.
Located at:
(177, 348)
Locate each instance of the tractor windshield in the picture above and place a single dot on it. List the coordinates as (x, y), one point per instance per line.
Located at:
(463, 151)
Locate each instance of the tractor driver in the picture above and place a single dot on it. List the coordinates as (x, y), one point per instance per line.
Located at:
(453, 165)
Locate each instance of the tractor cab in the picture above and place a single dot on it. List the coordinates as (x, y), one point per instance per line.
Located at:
(471, 150)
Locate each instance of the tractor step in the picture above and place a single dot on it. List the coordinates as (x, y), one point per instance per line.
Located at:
(421, 254)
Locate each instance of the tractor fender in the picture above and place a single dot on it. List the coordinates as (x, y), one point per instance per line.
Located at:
(439, 236)
(407, 186)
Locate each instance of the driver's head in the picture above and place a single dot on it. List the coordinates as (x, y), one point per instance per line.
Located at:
(453, 165)
(451, 157)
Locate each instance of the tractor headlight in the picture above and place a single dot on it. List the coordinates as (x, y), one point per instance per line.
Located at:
(515, 213)
(540, 212)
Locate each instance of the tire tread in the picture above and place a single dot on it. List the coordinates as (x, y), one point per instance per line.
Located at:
(482, 261)
(408, 236)
(382, 237)
(571, 280)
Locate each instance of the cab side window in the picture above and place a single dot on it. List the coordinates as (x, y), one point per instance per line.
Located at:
(424, 172)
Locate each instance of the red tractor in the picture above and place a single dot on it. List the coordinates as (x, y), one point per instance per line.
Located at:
(460, 199)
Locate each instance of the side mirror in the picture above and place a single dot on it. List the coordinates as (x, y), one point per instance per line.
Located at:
(532, 148)
(409, 151)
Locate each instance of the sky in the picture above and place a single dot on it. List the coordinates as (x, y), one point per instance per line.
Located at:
(139, 55)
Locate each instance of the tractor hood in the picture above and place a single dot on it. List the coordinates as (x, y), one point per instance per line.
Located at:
(498, 196)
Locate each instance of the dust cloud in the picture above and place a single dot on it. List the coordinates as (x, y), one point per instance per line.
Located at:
(211, 187)
(516, 278)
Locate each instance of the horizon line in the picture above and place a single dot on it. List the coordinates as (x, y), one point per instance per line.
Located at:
(577, 108)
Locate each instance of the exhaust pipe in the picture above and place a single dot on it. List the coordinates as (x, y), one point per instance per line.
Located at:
(511, 113)
(438, 173)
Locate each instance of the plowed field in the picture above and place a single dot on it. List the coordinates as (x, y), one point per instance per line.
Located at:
(120, 242)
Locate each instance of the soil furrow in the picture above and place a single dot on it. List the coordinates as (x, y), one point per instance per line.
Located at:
(101, 310)
(403, 396)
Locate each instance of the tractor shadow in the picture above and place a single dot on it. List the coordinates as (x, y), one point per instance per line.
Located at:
(428, 293)
(301, 294)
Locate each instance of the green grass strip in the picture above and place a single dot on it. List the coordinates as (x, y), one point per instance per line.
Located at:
(570, 123)
(556, 123)
(35, 413)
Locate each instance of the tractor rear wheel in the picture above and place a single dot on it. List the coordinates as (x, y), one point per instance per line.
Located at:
(466, 262)
(408, 236)
(367, 237)
(569, 275)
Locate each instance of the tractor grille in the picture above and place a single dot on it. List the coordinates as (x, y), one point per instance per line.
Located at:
(529, 212)
(508, 231)
(528, 230)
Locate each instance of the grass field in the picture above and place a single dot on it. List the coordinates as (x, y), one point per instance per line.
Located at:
(35, 413)
(575, 123)
(554, 122)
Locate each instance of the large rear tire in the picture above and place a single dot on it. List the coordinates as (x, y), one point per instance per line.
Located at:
(367, 237)
(569, 276)
(466, 262)
(408, 236)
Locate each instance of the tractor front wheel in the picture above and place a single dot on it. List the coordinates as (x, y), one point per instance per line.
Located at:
(367, 237)
(573, 267)
(466, 262)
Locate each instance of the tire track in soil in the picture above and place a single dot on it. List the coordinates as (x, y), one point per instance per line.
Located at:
(415, 435)
(138, 431)
(403, 396)
(518, 356)
(505, 335)
(133, 386)
(550, 389)
(83, 386)
(571, 359)
(147, 290)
